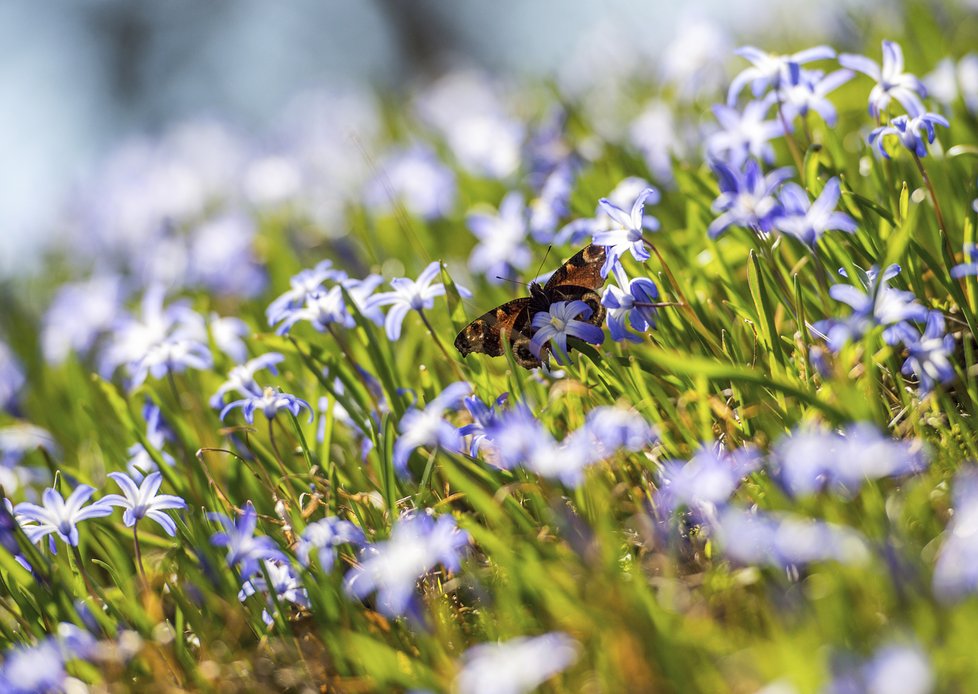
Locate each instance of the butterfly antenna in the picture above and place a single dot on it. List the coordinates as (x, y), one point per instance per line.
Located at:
(510, 279)
(545, 256)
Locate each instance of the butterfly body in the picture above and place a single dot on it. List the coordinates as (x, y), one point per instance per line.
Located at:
(577, 279)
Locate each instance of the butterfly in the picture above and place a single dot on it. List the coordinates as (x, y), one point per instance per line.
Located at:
(578, 278)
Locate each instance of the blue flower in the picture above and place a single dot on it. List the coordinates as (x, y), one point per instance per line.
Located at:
(900, 668)
(324, 536)
(956, 571)
(427, 427)
(12, 377)
(770, 69)
(811, 460)
(418, 542)
(746, 197)
(560, 322)
(483, 419)
(744, 134)
(874, 303)
(784, 540)
(891, 81)
(706, 481)
(908, 129)
(302, 284)
(221, 256)
(949, 81)
(322, 309)
(33, 669)
(553, 203)
(157, 434)
(58, 515)
(410, 295)
(242, 546)
(269, 402)
(929, 357)
(241, 378)
(416, 178)
(970, 266)
(502, 249)
(806, 220)
(516, 666)
(360, 291)
(633, 301)
(806, 90)
(623, 195)
(79, 313)
(16, 441)
(285, 585)
(611, 429)
(144, 501)
(626, 230)
(229, 333)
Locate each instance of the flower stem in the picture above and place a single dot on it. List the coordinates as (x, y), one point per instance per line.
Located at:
(441, 345)
(84, 574)
(933, 194)
(139, 556)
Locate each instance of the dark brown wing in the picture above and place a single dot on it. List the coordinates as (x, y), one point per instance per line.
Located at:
(579, 278)
(582, 270)
(484, 334)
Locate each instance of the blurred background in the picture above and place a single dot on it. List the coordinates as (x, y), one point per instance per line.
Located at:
(79, 78)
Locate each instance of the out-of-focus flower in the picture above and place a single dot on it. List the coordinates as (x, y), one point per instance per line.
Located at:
(560, 322)
(468, 111)
(416, 178)
(552, 204)
(144, 501)
(268, 402)
(16, 441)
(360, 291)
(746, 197)
(301, 286)
(632, 300)
(229, 333)
(163, 340)
(242, 546)
(706, 481)
(11, 377)
(79, 313)
(929, 357)
(949, 81)
(970, 266)
(891, 81)
(483, 419)
(612, 429)
(285, 585)
(324, 536)
(807, 220)
(770, 70)
(744, 134)
(810, 460)
(654, 134)
(693, 62)
(140, 461)
(807, 90)
(222, 257)
(418, 542)
(781, 540)
(893, 668)
(874, 303)
(58, 515)
(515, 666)
(908, 129)
(322, 310)
(408, 295)
(956, 571)
(502, 250)
(241, 378)
(33, 669)
(427, 427)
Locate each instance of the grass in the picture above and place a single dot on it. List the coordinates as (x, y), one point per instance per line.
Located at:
(651, 610)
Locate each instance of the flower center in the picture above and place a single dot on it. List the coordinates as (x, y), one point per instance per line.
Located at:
(558, 323)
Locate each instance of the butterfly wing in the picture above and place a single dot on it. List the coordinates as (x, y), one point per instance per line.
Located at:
(484, 334)
(582, 270)
(578, 279)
